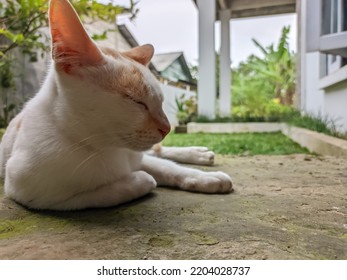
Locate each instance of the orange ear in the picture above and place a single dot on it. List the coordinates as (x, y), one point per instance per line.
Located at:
(142, 54)
(71, 45)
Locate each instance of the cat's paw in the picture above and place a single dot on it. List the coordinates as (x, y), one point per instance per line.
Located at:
(209, 182)
(202, 155)
(144, 182)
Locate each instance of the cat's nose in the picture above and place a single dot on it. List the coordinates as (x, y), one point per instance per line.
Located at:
(164, 128)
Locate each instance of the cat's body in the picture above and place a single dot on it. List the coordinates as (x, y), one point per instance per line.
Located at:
(80, 141)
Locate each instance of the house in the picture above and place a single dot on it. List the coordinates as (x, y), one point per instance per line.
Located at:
(173, 67)
(322, 50)
(322, 54)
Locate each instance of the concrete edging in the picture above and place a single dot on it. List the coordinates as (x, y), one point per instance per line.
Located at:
(234, 127)
(315, 142)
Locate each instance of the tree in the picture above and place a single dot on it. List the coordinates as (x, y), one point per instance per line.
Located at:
(261, 86)
(20, 23)
(278, 66)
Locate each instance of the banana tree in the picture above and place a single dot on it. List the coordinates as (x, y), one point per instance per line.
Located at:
(278, 66)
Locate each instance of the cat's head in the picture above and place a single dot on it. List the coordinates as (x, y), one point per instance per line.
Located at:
(117, 95)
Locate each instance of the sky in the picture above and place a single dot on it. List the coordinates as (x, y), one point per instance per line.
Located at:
(172, 25)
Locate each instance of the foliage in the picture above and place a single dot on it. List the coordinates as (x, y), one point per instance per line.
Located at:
(186, 109)
(238, 143)
(263, 87)
(20, 24)
(266, 111)
(20, 21)
(270, 111)
(318, 123)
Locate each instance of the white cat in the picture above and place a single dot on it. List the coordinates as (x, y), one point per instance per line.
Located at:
(79, 142)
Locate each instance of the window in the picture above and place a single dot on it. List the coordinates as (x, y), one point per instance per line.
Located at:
(333, 40)
(331, 24)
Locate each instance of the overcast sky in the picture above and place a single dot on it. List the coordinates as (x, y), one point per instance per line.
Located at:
(172, 25)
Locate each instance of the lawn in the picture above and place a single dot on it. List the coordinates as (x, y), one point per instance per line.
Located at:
(238, 143)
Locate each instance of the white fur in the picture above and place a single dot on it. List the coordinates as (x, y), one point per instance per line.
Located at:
(190, 155)
(64, 155)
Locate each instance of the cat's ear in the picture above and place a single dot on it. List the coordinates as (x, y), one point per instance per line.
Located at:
(71, 45)
(142, 54)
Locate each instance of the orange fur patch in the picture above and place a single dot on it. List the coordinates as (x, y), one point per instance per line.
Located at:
(109, 51)
(157, 148)
(127, 80)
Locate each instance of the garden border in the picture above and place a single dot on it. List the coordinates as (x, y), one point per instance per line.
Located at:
(315, 142)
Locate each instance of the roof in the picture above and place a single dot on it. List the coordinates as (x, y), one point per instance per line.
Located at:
(248, 8)
(164, 60)
(124, 31)
(159, 62)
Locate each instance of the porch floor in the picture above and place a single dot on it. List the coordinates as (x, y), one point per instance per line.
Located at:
(283, 207)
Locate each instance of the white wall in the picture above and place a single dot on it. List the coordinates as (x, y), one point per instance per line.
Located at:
(169, 105)
(312, 96)
(336, 104)
(320, 94)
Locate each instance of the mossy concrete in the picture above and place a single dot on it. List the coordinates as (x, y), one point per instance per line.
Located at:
(283, 207)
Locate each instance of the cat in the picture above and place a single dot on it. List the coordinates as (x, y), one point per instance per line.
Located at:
(81, 141)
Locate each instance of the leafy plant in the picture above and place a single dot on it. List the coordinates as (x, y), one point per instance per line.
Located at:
(263, 87)
(318, 123)
(186, 109)
(20, 25)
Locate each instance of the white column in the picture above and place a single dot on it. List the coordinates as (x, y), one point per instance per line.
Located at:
(224, 64)
(207, 59)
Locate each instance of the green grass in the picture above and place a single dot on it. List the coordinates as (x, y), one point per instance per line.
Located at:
(236, 144)
(318, 123)
(239, 143)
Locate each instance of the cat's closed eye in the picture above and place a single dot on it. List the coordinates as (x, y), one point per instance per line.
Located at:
(142, 104)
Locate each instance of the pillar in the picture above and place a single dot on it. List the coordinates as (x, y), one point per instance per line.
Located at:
(207, 59)
(224, 64)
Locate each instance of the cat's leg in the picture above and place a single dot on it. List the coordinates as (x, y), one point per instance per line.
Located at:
(136, 185)
(8, 141)
(168, 173)
(190, 155)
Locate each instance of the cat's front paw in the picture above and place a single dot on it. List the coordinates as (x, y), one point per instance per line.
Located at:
(144, 182)
(209, 182)
(202, 155)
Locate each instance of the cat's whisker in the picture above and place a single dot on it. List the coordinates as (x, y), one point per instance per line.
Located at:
(84, 142)
(90, 157)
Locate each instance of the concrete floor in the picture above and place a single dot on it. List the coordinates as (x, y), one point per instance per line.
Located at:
(283, 207)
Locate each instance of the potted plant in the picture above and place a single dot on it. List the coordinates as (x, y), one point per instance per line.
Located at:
(186, 111)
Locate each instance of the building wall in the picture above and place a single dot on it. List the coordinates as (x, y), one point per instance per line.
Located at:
(336, 104)
(330, 102)
(312, 96)
(321, 94)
